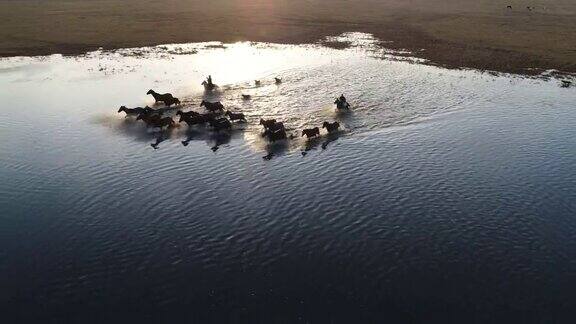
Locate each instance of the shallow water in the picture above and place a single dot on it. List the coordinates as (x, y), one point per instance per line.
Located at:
(449, 195)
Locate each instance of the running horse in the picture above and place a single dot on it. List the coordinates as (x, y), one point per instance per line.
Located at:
(342, 104)
(164, 97)
(209, 86)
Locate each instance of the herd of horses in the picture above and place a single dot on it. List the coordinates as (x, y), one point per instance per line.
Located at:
(217, 118)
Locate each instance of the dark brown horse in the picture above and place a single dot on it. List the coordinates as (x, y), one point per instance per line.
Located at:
(311, 132)
(220, 124)
(212, 106)
(276, 135)
(156, 120)
(159, 96)
(196, 119)
(171, 101)
(267, 122)
(235, 116)
(135, 111)
(331, 127)
(186, 114)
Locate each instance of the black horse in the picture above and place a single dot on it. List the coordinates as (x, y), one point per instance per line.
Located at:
(235, 116)
(331, 127)
(135, 111)
(212, 106)
(160, 96)
(311, 132)
(220, 124)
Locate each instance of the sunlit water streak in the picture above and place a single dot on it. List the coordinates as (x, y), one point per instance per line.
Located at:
(449, 194)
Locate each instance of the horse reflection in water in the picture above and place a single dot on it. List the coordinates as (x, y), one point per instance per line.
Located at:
(214, 139)
(139, 131)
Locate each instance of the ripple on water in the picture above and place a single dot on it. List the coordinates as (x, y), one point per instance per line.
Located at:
(402, 204)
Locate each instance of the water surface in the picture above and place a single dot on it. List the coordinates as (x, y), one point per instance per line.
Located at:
(449, 195)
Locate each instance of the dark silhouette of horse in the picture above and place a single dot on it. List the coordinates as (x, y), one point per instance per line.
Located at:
(311, 132)
(342, 104)
(276, 127)
(135, 111)
(277, 80)
(171, 101)
(331, 127)
(246, 97)
(220, 124)
(186, 114)
(235, 116)
(160, 97)
(156, 120)
(276, 135)
(198, 119)
(267, 123)
(257, 82)
(212, 106)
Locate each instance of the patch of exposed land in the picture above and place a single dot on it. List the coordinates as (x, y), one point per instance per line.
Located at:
(480, 34)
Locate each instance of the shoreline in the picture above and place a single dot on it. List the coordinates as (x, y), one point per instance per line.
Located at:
(451, 34)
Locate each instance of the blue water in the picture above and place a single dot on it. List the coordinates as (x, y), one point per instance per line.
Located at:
(448, 197)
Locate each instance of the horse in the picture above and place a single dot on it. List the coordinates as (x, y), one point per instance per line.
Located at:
(276, 127)
(209, 86)
(195, 119)
(171, 101)
(331, 127)
(276, 135)
(235, 116)
(267, 123)
(246, 97)
(159, 97)
(220, 124)
(277, 80)
(342, 104)
(257, 82)
(156, 120)
(212, 106)
(135, 111)
(186, 114)
(311, 132)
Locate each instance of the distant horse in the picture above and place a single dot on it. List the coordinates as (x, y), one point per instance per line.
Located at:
(311, 132)
(340, 104)
(246, 97)
(220, 124)
(135, 111)
(212, 106)
(171, 101)
(277, 80)
(276, 127)
(267, 122)
(186, 114)
(209, 86)
(257, 82)
(159, 97)
(331, 127)
(156, 120)
(196, 119)
(235, 116)
(276, 135)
